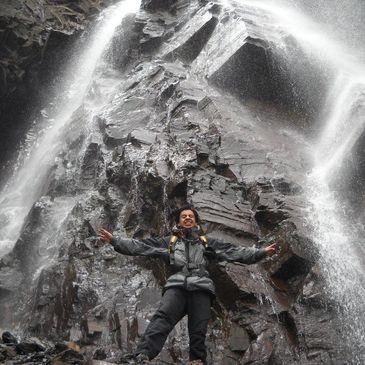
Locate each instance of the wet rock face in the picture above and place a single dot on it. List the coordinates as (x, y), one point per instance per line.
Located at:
(34, 37)
(166, 137)
(26, 27)
(159, 4)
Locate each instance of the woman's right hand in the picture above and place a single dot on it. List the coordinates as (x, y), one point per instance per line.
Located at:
(105, 235)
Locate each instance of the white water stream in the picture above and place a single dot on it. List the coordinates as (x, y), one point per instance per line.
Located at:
(25, 186)
(342, 124)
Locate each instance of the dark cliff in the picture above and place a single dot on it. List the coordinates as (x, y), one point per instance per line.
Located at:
(35, 37)
(189, 121)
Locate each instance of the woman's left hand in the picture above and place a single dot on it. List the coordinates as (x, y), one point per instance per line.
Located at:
(270, 249)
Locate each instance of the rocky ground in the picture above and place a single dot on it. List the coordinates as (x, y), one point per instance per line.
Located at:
(175, 130)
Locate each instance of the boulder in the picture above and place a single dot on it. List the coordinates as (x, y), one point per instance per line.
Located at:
(8, 338)
(30, 345)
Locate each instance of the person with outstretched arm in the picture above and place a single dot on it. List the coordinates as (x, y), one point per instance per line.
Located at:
(189, 290)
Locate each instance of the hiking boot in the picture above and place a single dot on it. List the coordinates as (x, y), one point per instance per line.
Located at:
(142, 359)
(195, 362)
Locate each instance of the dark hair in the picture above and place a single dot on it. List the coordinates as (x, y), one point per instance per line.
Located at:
(187, 207)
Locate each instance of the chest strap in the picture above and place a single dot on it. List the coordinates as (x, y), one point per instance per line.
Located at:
(174, 237)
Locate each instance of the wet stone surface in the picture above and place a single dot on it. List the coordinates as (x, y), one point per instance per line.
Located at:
(168, 136)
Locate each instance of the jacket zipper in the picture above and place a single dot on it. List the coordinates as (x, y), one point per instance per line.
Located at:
(187, 256)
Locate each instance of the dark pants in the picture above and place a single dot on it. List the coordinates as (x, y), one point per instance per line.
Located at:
(175, 303)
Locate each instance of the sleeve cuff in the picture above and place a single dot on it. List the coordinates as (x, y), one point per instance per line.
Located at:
(262, 253)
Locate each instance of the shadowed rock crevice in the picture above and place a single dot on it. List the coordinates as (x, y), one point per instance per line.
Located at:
(256, 71)
(292, 84)
(177, 194)
(188, 51)
(227, 292)
(246, 74)
(288, 323)
(293, 269)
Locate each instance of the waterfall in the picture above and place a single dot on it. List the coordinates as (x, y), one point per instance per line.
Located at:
(342, 123)
(285, 30)
(25, 186)
(337, 236)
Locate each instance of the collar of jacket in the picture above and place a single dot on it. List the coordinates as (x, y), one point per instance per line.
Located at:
(187, 234)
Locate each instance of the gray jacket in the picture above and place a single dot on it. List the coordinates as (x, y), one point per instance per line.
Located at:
(188, 258)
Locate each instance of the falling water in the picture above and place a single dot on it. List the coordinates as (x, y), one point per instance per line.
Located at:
(342, 123)
(26, 184)
(338, 238)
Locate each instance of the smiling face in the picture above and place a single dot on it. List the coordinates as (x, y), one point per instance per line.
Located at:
(187, 219)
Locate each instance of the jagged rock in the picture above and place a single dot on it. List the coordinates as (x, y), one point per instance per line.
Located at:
(238, 339)
(260, 351)
(141, 136)
(251, 67)
(116, 134)
(187, 45)
(233, 215)
(30, 345)
(8, 338)
(90, 165)
(7, 352)
(60, 347)
(99, 354)
(158, 4)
